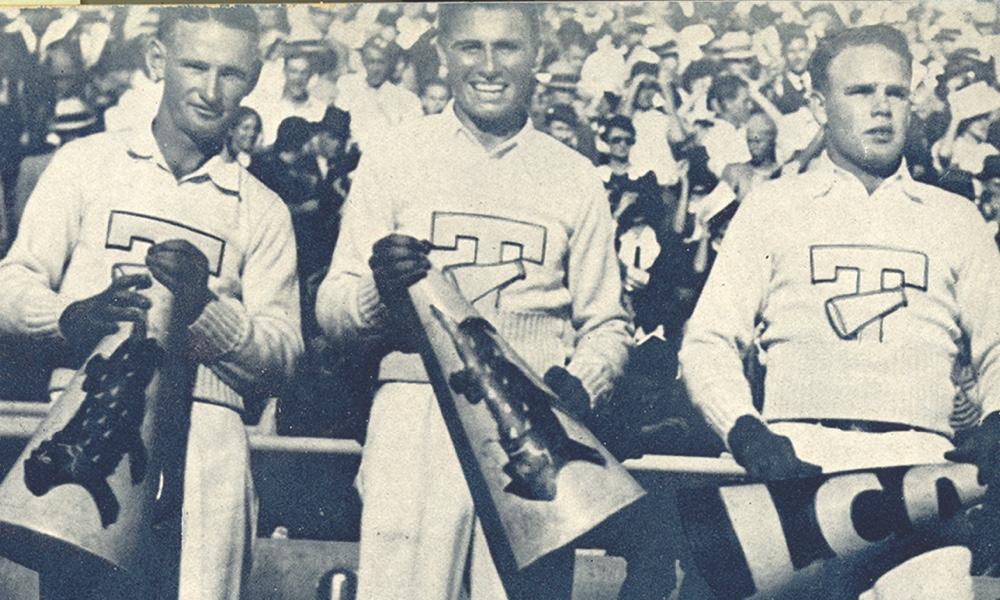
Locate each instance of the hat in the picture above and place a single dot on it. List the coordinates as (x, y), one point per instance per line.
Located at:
(735, 45)
(293, 133)
(559, 81)
(991, 168)
(661, 40)
(71, 115)
(561, 112)
(336, 122)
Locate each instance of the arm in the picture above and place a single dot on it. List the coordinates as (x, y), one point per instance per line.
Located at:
(721, 329)
(31, 273)
(348, 305)
(253, 342)
(603, 332)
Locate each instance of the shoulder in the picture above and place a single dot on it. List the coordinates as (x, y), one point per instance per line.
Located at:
(952, 208)
(261, 201)
(96, 148)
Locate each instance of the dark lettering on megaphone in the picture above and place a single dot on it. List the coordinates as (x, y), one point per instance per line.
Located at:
(536, 444)
(105, 428)
(753, 538)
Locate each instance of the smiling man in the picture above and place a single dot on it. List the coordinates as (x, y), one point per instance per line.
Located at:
(864, 285)
(478, 191)
(161, 203)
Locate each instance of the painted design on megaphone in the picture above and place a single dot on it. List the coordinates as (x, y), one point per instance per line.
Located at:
(104, 429)
(536, 444)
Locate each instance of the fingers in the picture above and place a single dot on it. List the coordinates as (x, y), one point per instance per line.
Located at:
(140, 281)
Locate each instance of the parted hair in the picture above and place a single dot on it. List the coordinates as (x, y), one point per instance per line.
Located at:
(242, 18)
(447, 12)
(882, 35)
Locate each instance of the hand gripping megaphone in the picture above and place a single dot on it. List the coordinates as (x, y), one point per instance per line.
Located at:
(539, 479)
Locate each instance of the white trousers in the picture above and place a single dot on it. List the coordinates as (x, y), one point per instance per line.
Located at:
(219, 513)
(418, 526)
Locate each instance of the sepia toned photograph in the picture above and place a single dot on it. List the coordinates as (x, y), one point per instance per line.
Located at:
(688, 300)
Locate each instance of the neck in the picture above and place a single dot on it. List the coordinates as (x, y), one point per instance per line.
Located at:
(870, 178)
(492, 133)
(183, 154)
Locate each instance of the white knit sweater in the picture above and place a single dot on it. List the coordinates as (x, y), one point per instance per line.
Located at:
(863, 300)
(530, 201)
(97, 208)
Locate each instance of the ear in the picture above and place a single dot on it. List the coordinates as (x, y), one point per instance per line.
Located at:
(817, 104)
(539, 57)
(156, 58)
(258, 65)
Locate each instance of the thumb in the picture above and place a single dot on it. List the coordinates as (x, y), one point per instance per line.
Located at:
(963, 454)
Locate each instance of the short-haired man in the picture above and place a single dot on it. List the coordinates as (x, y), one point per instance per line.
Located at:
(484, 188)
(162, 201)
(377, 105)
(294, 101)
(792, 89)
(872, 386)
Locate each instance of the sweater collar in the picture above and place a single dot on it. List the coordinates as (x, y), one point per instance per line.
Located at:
(829, 174)
(456, 126)
(224, 174)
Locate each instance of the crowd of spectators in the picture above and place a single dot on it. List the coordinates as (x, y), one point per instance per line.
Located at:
(682, 107)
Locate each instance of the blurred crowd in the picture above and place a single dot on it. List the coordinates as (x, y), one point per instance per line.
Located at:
(683, 107)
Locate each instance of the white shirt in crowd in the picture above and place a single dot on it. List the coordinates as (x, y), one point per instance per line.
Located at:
(374, 110)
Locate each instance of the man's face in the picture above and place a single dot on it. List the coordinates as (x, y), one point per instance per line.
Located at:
(867, 109)
(760, 139)
(490, 56)
(376, 65)
(739, 108)
(620, 143)
(797, 55)
(434, 99)
(207, 69)
(297, 74)
(563, 132)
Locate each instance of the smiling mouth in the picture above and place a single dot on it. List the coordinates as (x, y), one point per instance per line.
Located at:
(488, 90)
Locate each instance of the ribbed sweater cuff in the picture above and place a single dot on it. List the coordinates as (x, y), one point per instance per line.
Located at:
(370, 307)
(221, 328)
(41, 315)
(595, 379)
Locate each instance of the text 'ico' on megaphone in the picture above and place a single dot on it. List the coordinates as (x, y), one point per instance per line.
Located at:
(755, 539)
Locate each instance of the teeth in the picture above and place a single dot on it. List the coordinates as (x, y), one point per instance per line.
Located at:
(494, 88)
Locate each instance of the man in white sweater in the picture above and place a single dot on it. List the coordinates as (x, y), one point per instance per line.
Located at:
(863, 284)
(522, 221)
(160, 201)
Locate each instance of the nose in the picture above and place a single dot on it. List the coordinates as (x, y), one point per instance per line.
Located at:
(488, 64)
(880, 103)
(210, 87)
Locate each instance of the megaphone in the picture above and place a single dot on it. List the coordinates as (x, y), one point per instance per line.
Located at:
(755, 539)
(850, 313)
(87, 493)
(539, 479)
